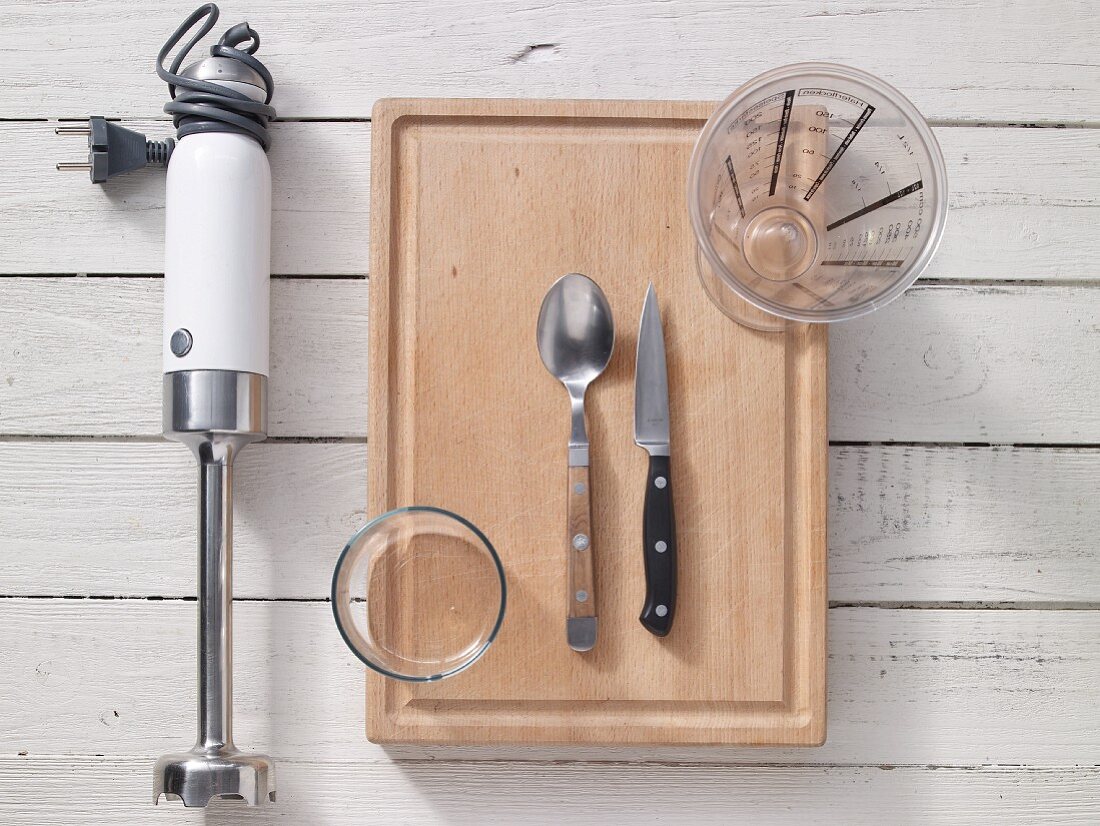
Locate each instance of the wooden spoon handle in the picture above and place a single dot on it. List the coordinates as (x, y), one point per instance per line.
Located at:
(581, 622)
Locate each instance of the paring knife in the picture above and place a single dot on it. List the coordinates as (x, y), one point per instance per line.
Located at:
(651, 432)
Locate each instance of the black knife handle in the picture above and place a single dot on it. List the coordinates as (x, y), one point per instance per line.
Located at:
(659, 553)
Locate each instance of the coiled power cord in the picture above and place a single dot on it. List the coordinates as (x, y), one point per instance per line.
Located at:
(198, 104)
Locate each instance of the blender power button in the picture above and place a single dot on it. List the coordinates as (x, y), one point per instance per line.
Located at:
(181, 342)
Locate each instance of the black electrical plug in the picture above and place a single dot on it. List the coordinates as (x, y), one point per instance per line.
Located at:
(114, 149)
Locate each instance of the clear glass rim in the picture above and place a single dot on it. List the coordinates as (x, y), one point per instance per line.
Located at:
(928, 139)
(340, 623)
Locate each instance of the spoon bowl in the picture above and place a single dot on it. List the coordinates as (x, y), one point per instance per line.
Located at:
(576, 334)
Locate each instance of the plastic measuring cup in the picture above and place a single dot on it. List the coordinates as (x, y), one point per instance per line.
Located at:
(817, 193)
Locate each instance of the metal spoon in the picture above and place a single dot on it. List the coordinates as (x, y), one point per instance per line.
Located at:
(575, 337)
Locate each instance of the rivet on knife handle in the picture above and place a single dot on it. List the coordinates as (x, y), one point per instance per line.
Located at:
(581, 621)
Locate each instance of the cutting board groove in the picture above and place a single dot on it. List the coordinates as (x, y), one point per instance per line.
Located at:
(477, 207)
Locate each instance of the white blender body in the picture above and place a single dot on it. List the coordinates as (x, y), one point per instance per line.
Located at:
(217, 262)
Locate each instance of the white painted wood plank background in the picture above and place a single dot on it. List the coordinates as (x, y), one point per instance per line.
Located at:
(944, 363)
(999, 61)
(906, 687)
(1003, 225)
(38, 791)
(964, 579)
(55, 223)
(907, 525)
(95, 364)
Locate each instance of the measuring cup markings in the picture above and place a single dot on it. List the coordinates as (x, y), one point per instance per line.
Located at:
(844, 144)
(781, 137)
(881, 202)
(733, 181)
(886, 234)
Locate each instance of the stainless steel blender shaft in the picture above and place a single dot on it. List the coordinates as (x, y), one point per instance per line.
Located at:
(215, 413)
(215, 596)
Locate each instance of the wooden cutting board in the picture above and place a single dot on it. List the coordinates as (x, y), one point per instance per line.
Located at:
(477, 207)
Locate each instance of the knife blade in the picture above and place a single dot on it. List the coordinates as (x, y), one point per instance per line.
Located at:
(651, 432)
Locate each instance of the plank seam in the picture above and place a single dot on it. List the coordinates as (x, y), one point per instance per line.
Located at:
(152, 438)
(1005, 284)
(138, 276)
(888, 605)
(1052, 446)
(950, 123)
(686, 764)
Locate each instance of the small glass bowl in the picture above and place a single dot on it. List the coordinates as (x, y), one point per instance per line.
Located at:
(418, 594)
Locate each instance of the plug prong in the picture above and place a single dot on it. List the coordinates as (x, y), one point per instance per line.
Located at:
(84, 166)
(72, 130)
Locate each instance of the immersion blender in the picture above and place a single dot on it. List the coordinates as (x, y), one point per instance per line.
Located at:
(216, 328)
